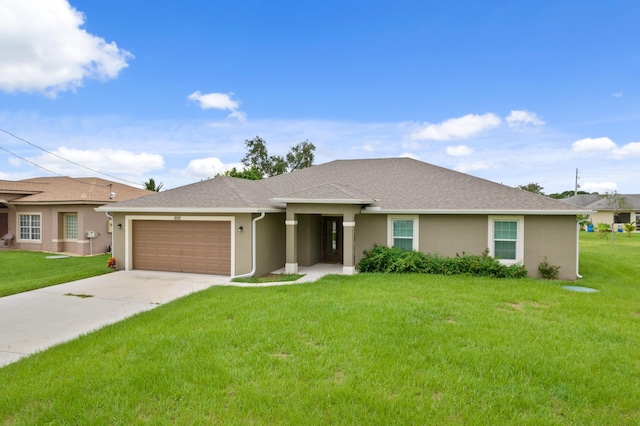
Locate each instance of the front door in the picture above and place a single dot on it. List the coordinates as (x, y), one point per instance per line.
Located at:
(332, 239)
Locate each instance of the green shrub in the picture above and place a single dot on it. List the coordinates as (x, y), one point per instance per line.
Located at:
(603, 227)
(548, 272)
(392, 259)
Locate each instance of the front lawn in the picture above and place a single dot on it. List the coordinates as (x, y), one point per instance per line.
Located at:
(28, 270)
(367, 349)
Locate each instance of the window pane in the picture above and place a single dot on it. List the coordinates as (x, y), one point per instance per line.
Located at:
(29, 227)
(403, 243)
(505, 230)
(505, 250)
(71, 226)
(403, 228)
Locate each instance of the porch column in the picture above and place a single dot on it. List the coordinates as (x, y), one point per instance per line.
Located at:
(348, 262)
(291, 265)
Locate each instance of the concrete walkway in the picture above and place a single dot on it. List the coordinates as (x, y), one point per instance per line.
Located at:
(36, 320)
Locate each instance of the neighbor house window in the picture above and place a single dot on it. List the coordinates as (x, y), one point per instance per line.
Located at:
(29, 226)
(403, 232)
(71, 226)
(506, 239)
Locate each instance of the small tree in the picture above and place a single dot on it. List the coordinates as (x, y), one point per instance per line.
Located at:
(615, 203)
(629, 228)
(258, 158)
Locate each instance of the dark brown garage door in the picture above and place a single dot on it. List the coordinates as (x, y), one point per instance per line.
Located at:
(201, 247)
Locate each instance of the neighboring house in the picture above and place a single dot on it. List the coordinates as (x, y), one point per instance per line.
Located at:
(57, 214)
(334, 211)
(628, 211)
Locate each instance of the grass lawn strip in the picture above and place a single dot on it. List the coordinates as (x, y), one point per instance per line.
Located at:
(366, 349)
(28, 270)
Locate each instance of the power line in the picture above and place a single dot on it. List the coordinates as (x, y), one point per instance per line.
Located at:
(58, 156)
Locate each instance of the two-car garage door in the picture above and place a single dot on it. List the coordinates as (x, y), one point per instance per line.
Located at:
(201, 247)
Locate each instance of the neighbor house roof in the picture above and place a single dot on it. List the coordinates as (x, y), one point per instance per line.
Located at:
(389, 185)
(67, 190)
(600, 202)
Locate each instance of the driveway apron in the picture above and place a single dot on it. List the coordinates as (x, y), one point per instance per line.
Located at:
(38, 319)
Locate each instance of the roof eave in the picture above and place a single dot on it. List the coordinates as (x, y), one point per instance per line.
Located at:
(187, 210)
(375, 210)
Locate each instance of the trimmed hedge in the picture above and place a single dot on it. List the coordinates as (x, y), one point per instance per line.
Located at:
(392, 259)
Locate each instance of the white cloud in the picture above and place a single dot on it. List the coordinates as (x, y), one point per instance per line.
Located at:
(104, 160)
(458, 128)
(221, 101)
(409, 155)
(44, 48)
(629, 150)
(618, 94)
(519, 118)
(600, 187)
(459, 151)
(593, 144)
(203, 168)
(469, 167)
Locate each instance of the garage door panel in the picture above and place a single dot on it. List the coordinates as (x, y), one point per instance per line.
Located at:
(184, 246)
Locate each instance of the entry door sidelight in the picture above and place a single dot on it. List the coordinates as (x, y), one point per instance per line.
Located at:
(332, 239)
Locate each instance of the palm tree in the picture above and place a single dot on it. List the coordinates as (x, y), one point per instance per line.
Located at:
(150, 185)
(629, 227)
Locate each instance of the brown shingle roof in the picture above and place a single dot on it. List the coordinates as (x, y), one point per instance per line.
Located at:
(62, 189)
(395, 184)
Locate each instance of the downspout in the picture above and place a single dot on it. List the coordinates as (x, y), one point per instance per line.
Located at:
(253, 248)
(112, 225)
(578, 252)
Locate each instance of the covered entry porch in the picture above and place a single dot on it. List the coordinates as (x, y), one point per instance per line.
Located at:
(320, 233)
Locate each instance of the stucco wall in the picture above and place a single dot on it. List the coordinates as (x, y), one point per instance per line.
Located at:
(270, 243)
(553, 237)
(309, 239)
(448, 235)
(52, 229)
(370, 229)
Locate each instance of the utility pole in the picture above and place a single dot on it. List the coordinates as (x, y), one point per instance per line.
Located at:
(575, 192)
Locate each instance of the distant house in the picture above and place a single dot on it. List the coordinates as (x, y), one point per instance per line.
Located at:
(57, 214)
(628, 211)
(333, 212)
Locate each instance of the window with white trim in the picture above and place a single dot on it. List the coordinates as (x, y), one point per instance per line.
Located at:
(402, 232)
(29, 226)
(70, 226)
(506, 239)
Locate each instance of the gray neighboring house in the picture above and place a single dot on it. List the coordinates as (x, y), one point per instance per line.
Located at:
(333, 212)
(628, 212)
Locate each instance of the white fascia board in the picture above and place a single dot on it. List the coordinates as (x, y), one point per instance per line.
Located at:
(172, 210)
(321, 201)
(482, 212)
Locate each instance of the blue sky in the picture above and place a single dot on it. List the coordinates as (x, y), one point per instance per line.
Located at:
(511, 91)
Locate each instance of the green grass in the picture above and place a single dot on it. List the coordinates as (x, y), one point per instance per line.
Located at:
(28, 270)
(367, 349)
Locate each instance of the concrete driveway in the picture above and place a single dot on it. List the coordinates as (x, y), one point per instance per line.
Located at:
(38, 319)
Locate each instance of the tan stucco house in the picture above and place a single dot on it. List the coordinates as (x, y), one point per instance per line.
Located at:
(332, 212)
(604, 212)
(57, 214)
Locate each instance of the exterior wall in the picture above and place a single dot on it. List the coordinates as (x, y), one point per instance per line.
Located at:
(309, 239)
(553, 237)
(370, 229)
(52, 229)
(601, 217)
(447, 235)
(270, 242)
